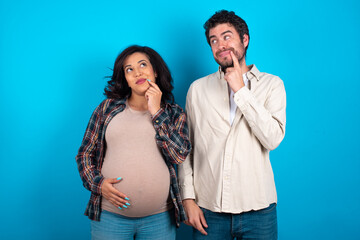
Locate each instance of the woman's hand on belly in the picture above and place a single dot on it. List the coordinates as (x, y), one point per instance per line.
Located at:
(113, 195)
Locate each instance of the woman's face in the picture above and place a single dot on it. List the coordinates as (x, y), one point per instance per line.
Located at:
(137, 69)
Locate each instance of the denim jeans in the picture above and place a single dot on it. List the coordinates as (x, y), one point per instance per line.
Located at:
(261, 224)
(114, 226)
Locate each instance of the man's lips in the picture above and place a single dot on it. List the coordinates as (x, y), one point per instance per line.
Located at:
(141, 81)
(224, 53)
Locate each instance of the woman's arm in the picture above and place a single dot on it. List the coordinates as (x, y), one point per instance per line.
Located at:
(86, 159)
(172, 133)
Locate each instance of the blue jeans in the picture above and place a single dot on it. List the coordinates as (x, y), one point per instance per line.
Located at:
(114, 226)
(261, 224)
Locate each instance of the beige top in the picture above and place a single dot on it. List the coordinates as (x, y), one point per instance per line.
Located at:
(132, 153)
(229, 168)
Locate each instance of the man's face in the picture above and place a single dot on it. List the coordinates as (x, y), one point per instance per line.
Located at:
(223, 39)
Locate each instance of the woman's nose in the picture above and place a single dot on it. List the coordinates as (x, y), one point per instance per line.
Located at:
(137, 72)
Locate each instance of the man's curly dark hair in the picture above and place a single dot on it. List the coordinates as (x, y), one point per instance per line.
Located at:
(224, 16)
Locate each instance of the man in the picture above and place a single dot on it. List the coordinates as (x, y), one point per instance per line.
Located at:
(235, 116)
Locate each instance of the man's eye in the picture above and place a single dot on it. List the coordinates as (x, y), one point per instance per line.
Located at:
(213, 41)
(227, 37)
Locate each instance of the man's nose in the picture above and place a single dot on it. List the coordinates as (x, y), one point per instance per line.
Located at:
(222, 45)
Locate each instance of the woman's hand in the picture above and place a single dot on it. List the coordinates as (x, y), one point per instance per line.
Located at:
(117, 198)
(153, 96)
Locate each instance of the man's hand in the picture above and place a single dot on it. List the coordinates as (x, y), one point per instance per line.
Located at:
(195, 216)
(234, 74)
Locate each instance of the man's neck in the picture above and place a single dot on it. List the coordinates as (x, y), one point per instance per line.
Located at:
(243, 66)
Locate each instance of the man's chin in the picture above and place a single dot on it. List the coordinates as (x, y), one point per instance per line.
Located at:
(224, 67)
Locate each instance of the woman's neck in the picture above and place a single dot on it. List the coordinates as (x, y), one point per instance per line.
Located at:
(138, 102)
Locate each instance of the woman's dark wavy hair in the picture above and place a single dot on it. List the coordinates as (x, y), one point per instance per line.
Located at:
(224, 16)
(118, 87)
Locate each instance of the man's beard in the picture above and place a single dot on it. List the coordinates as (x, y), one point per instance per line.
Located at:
(225, 65)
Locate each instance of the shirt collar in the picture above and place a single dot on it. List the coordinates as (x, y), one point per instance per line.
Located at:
(119, 102)
(252, 73)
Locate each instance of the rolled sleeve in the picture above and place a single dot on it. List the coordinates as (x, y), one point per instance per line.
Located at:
(172, 133)
(268, 120)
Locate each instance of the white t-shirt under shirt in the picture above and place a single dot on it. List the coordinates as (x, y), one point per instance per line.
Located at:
(231, 99)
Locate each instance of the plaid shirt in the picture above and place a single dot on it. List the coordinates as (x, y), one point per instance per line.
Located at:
(171, 136)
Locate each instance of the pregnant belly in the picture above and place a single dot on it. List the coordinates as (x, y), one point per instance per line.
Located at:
(146, 187)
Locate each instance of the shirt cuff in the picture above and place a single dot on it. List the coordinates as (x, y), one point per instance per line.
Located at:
(96, 187)
(159, 117)
(242, 98)
(187, 192)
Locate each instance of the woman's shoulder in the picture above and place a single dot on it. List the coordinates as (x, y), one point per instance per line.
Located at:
(108, 104)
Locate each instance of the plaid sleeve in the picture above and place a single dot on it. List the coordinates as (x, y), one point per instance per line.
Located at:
(172, 133)
(87, 159)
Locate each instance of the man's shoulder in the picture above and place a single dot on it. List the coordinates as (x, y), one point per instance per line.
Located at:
(199, 83)
(264, 76)
(270, 77)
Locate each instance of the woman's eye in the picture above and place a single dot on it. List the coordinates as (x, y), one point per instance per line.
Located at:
(128, 70)
(143, 65)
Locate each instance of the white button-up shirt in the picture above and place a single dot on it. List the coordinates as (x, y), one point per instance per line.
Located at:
(229, 168)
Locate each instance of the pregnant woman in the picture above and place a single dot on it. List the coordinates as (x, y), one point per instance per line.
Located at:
(127, 156)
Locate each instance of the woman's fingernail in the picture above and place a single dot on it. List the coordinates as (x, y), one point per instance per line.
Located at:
(119, 178)
(148, 80)
(124, 206)
(120, 208)
(127, 204)
(127, 198)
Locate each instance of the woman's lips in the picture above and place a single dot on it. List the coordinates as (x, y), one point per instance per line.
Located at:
(141, 81)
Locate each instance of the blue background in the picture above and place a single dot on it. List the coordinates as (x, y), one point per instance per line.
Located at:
(54, 56)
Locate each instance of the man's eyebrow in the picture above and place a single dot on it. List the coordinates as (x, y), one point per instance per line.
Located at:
(228, 31)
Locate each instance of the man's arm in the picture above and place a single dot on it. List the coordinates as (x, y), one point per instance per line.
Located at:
(185, 171)
(195, 215)
(267, 121)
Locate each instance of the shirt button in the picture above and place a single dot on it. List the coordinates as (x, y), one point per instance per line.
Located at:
(181, 151)
(157, 121)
